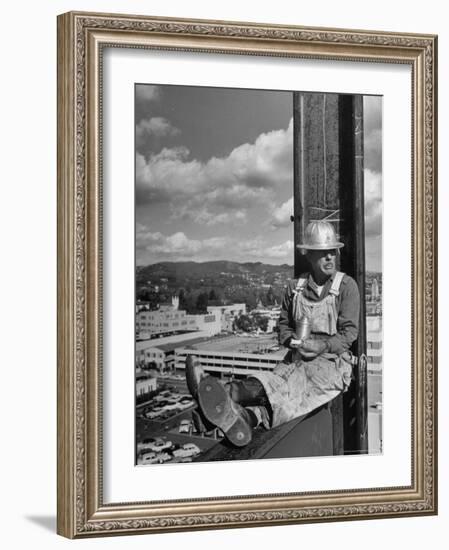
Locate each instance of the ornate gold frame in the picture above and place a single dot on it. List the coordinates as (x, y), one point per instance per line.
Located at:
(81, 511)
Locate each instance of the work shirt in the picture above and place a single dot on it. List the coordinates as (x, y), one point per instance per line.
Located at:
(348, 307)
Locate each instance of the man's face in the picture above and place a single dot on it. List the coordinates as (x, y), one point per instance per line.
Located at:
(323, 262)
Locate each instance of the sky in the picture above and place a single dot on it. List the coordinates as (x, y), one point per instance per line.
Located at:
(214, 175)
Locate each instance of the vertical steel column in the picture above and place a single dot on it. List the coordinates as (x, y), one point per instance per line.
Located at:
(352, 202)
(328, 184)
(315, 163)
(299, 185)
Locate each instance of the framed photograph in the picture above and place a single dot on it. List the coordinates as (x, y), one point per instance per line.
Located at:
(246, 274)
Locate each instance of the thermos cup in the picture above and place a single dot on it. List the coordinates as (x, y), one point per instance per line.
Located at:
(303, 328)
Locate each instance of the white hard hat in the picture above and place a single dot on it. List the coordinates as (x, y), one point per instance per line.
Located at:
(320, 235)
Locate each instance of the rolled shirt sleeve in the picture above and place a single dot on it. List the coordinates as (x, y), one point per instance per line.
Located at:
(348, 317)
(286, 323)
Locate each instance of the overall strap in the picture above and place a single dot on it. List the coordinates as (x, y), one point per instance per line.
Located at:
(301, 284)
(335, 288)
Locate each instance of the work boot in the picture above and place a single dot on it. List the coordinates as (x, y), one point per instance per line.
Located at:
(248, 393)
(194, 373)
(217, 406)
(201, 424)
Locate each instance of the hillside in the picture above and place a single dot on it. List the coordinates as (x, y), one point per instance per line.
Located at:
(197, 270)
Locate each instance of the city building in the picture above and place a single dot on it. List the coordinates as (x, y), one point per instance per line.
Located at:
(209, 323)
(374, 342)
(227, 314)
(142, 306)
(229, 363)
(165, 320)
(373, 309)
(169, 319)
(159, 353)
(272, 314)
(375, 290)
(152, 357)
(145, 383)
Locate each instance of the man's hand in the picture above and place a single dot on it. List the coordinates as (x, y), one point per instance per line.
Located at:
(312, 348)
(294, 343)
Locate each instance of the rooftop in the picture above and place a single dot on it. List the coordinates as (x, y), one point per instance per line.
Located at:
(242, 344)
(200, 340)
(178, 339)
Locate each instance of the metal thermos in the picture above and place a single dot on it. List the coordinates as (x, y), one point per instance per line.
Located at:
(303, 328)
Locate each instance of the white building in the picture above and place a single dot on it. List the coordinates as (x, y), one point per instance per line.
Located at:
(152, 356)
(168, 319)
(374, 290)
(160, 352)
(227, 314)
(230, 362)
(374, 342)
(272, 314)
(209, 323)
(145, 383)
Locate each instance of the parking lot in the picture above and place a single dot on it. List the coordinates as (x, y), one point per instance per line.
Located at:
(165, 432)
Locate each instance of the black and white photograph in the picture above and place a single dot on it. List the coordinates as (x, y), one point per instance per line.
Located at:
(258, 274)
(224, 222)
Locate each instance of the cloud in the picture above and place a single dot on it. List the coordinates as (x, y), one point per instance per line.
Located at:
(373, 132)
(373, 150)
(154, 246)
(206, 191)
(372, 118)
(281, 214)
(373, 203)
(147, 92)
(205, 217)
(176, 243)
(257, 249)
(284, 250)
(157, 127)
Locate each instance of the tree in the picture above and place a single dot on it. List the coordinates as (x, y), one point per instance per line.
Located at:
(182, 299)
(270, 298)
(202, 302)
(212, 295)
(261, 322)
(244, 322)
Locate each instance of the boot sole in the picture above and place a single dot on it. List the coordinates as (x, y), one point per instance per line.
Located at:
(220, 410)
(194, 372)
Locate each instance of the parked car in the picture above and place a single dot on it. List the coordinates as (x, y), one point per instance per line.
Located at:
(185, 426)
(171, 406)
(186, 399)
(143, 445)
(185, 404)
(173, 401)
(187, 450)
(154, 414)
(160, 445)
(162, 396)
(164, 457)
(149, 411)
(148, 458)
